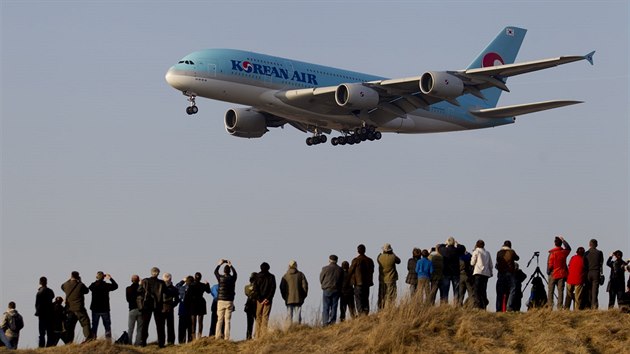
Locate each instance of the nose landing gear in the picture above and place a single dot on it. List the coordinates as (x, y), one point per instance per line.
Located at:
(192, 109)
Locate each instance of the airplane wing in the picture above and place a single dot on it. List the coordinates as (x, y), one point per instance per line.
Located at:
(397, 97)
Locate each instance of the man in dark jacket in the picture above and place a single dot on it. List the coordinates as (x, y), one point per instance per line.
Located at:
(331, 279)
(294, 289)
(225, 298)
(346, 301)
(75, 292)
(616, 282)
(506, 277)
(100, 303)
(133, 294)
(44, 311)
(594, 267)
(265, 289)
(153, 295)
(451, 253)
(362, 276)
(171, 299)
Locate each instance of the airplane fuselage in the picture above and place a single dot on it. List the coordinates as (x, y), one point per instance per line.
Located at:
(267, 83)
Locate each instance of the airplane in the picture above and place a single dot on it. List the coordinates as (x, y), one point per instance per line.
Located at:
(319, 99)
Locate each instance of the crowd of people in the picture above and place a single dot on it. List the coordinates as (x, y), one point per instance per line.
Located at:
(345, 288)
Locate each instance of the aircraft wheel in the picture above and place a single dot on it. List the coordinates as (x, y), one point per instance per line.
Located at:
(189, 110)
(333, 141)
(309, 141)
(323, 138)
(377, 135)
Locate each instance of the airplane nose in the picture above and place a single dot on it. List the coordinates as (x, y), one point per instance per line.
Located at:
(170, 77)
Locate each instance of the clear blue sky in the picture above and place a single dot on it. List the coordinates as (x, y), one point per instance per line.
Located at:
(103, 170)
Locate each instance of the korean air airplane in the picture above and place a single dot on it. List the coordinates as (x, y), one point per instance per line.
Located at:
(319, 99)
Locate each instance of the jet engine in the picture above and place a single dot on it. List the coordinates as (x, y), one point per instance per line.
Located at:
(356, 96)
(441, 84)
(245, 123)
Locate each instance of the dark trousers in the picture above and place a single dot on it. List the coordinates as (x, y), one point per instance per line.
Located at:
(213, 318)
(169, 319)
(346, 301)
(159, 324)
(362, 299)
(593, 283)
(251, 319)
(45, 331)
(184, 332)
(481, 291)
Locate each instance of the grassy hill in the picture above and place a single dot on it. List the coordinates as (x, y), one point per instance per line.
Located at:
(412, 328)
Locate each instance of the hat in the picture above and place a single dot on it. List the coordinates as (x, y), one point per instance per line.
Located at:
(333, 258)
(293, 264)
(387, 247)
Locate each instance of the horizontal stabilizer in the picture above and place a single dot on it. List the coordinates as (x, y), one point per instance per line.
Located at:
(520, 109)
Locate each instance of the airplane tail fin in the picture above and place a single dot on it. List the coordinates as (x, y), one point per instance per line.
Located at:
(502, 50)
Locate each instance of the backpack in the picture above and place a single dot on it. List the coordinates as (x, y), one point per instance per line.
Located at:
(124, 339)
(16, 322)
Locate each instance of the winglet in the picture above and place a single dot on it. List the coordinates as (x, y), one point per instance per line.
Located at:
(589, 57)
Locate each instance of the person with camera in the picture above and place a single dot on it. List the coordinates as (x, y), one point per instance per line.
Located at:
(616, 282)
(75, 292)
(506, 277)
(100, 302)
(594, 267)
(225, 297)
(557, 270)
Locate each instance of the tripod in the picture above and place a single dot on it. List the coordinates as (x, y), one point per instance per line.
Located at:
(537, 272)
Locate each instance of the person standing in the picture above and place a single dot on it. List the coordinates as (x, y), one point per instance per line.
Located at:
(331, 280)
(171, 299)
(362, 275)
(387, 276)
(225, 297)
(506, 277)
(346, 300)
(75, 292)
(594, 268)
(133, 295)
(424, 271)
(184, 328)
(100, 302)
(294, 289)
(557, 270)
(575, 281)
(153, 302)
(44, 311)
(452, 252)
(264, 290)
(437, 262)
(198, 307)
(481, 261)
(466, 279)
(11, 324)
(250, 305)
(412, 276)
(616, 282)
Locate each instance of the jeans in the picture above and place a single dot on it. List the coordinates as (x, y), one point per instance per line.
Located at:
(224, 319)
(346, 302)
(481, 291)
(330, 300)
(5, 340)
(294, 313)
(135, 321)
(444, 286)
(107, 323)
(506, 290)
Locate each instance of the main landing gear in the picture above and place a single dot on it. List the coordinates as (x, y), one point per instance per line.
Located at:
(192, 109)
(360, 134)
(316, 139)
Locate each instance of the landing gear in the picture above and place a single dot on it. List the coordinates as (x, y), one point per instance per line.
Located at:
(316, 139)
(357, 136)
(192, 109)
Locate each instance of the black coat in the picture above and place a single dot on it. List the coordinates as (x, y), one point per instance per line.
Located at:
(100, 295)
(44, 302)
(265, 286)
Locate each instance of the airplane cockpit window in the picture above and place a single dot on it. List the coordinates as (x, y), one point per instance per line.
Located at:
(189, 62)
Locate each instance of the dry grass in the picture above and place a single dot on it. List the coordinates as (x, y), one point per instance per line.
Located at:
(412, 328)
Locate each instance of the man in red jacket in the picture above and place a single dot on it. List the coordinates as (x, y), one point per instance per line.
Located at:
(557, 269)
(575, 281)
